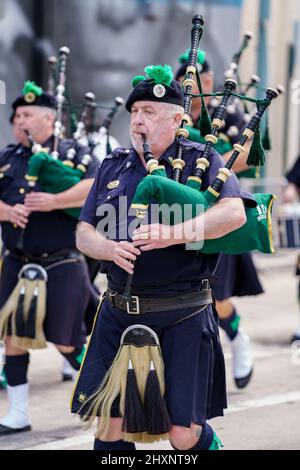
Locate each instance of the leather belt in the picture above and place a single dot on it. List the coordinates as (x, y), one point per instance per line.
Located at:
(45, 258)
(140, 305)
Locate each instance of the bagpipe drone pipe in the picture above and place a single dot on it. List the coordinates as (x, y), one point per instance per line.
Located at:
(53, 175)
(256, 233)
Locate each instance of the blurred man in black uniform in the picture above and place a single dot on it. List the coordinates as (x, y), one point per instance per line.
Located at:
(290, 195)
(236, 274)
(49, 241)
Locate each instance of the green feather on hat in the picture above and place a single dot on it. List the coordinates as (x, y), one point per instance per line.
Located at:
(137, 79)
(185, 56)
(31, 87)
(160, 74)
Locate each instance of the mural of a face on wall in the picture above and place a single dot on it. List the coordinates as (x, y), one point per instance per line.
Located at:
(113, 40)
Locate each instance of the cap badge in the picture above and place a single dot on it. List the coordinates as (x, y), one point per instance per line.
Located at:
(159, 91)
(30, 97)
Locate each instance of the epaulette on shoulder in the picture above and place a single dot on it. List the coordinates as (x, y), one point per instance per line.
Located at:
(119, 152)
(11, 146)
(190, 144)
(8, 150)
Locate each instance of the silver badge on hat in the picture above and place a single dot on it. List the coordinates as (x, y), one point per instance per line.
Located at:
(159, 91)
(199, 67)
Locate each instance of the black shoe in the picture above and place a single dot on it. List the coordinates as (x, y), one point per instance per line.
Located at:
(150, 16)
(296, 337)
(5, 430)
(67, 378)
(243, 382)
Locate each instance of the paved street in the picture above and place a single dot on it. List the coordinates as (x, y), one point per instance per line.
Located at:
(263, 416)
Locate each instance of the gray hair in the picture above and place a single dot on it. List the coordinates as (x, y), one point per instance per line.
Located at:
(50, 111)
(173, 109)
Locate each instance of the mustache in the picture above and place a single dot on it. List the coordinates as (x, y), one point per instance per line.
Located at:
(138, 130)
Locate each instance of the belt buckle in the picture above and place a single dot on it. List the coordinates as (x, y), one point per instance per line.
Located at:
(135, 304)
(205, 284)
(112, 294)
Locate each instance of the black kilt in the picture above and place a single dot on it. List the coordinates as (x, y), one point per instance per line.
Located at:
(192, 354)
(69, 292)
(236, 277)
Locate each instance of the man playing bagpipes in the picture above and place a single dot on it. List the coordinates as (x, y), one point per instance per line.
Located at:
(291, 195)
(154, 368)
(236, 274)
(44, 287)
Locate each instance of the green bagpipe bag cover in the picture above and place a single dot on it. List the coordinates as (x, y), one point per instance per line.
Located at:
(252, 173)
(54, 176)
(255, 234)
(221, 146)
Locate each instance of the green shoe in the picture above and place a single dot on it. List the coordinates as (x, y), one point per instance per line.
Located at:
(3, 381)
(216, 443)
(80, 356)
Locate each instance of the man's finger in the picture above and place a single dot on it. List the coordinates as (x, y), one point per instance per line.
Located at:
(139, 243)
(23, 220)
(23, 214)
(127, 255)
(127, 266)
(149, 247)
(22, 211)
(130, 247)
(141, 236)
(21, 223)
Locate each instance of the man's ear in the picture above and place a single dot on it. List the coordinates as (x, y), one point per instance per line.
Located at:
(177, 120)
(49, 119)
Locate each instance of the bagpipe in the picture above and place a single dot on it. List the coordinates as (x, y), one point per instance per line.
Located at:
(53, 175)
(51, 81)
(238, 104)
(203, 127)
(87, 117)
(77, 121)
(100, 141)
(103, 131)
(256, 233)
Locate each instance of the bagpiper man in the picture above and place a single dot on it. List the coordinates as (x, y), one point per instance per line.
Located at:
(154, 367)
(236, 274)
(45, 287)
(291, 195)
